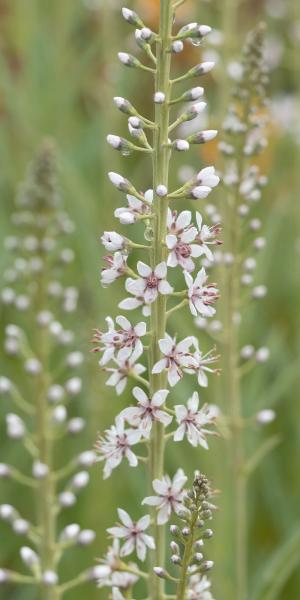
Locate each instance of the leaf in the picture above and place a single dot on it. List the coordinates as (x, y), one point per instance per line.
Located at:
(279, 569)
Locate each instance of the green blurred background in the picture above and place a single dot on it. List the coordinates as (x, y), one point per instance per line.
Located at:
(59, 73)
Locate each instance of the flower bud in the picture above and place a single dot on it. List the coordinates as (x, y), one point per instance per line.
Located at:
(124, 105)
(177, 46)
(39, 470)
(160, 572)
(265, 416)
(159, 98)
(66, 499)
(87, 458)
(129, 60)
(132, 17)
(262, 354)
(202, 137)
(15, 426)
(80, 480)
(86, 537)
(50, 578)
(70, 533)
(120, 182)
(29, 557)
(76, 425)
(161, 190)
(5, 471)
(73, 386)
(181, 145)
(5, 385)
(20, 526)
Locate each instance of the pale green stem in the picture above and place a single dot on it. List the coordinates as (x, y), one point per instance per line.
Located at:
(184, 575)
(161, 158)
(46, 485)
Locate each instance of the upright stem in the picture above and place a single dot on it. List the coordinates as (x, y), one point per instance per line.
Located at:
(161, 158)
(231, 353)
(46, 488)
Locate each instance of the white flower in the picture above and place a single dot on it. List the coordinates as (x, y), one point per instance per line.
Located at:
(147, 411)
(207, 236)
(201, 296)
(116, 268)
(113, 241)
(108, 573)
(125, 367)
(176, 356)
(180, 240)
(134, 534)
(117, 445)
(199, 588)
(135, 209)
(207, 176)
(192, 422)
(169, 495)
(150, 283)
(123, 341)
(203, 366)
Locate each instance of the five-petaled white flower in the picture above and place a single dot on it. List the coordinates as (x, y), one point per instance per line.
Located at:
(123, 341)
(116, 445)
(203, 366)
(180, 240)
(169, 497)
(134, 534)
(193, 422)
(207, 236)
(199, 588)
(135, 209)
(116, 268)
(149, 284)
(113, 241)
(109, 573)
(176, 356)
(201, 296)
(125, 367)
(147, 411)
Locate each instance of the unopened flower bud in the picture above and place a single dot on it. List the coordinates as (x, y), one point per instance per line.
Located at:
(4, 576)
(175, 531)
(259, 292)
(5, 471)
(176, 560)
(207, 565)
(29, 557)
(161, 190)
(59, 414)
(262, 354)
(132, 17)
(73, 386)
(174, 547)
(33, 366)
(49, 578)
(86, 537)
(80, 480)
(87, 458)
(194, 94)
(70, 533)
(76, 425)
(259, 243)
(265, 416)
(160, 572)
(198, 557)
(5, 385)
(177, 46)
(124, 106)
(128, 60)
(181, 145)
(202, 137)
(7, 512)
(201, 69)
(55, 393)
(120, 182)
(15, 426)
(208, 533)
(159, 97)
(147, 35)
(39, 469)
(66, 499)
(186, 531)
(20, 526)
(247, 352)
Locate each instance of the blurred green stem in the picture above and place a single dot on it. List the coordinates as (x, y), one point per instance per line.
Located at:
(46, 487)
(161, 158)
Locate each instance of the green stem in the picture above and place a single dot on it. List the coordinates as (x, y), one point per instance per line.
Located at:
(161, 158)
(181, 593)
(46, 485)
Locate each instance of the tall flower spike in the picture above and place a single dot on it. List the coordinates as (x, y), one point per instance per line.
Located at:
(47, 386)
(243, 139)
(172, 240)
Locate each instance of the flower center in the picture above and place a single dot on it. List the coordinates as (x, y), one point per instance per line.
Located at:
(152, 281)
(184, 250)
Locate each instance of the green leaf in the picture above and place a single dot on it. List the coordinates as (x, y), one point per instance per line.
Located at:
(279, 569)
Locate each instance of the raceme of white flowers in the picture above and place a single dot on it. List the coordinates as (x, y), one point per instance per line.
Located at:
(186, 242)
(36, 296)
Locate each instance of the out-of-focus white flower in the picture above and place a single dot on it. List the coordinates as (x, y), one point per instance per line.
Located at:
(134, 534)
(116, 268)
(116, 445)
(135, 209)
(193, 422)
(201, 296)
(199, 588)
(207, 236)
(125, 367)
(169, 495)
(176, 357)
(113, 241)
(147, 411)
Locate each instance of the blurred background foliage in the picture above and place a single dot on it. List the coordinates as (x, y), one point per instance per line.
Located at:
(58, 75)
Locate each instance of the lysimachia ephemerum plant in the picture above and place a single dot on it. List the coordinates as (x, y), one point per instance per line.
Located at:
(244, 138)
(38, 306)
(172, 240)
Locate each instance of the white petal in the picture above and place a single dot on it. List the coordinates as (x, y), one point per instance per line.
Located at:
(171, 241)
(159, 397)
(163, 514)
(160, 366)
(143, 522)
(183, 219)
(164, 287)
(179, 434)
(123, 322)
(130, 303)
(143, 269)
(166, 345)
(152, 500)
(124, 517)
(193, 402)
(161, 270)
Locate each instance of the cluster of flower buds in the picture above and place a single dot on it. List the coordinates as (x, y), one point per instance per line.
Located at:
(42, 354)
(187, 545)
(181, 244)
